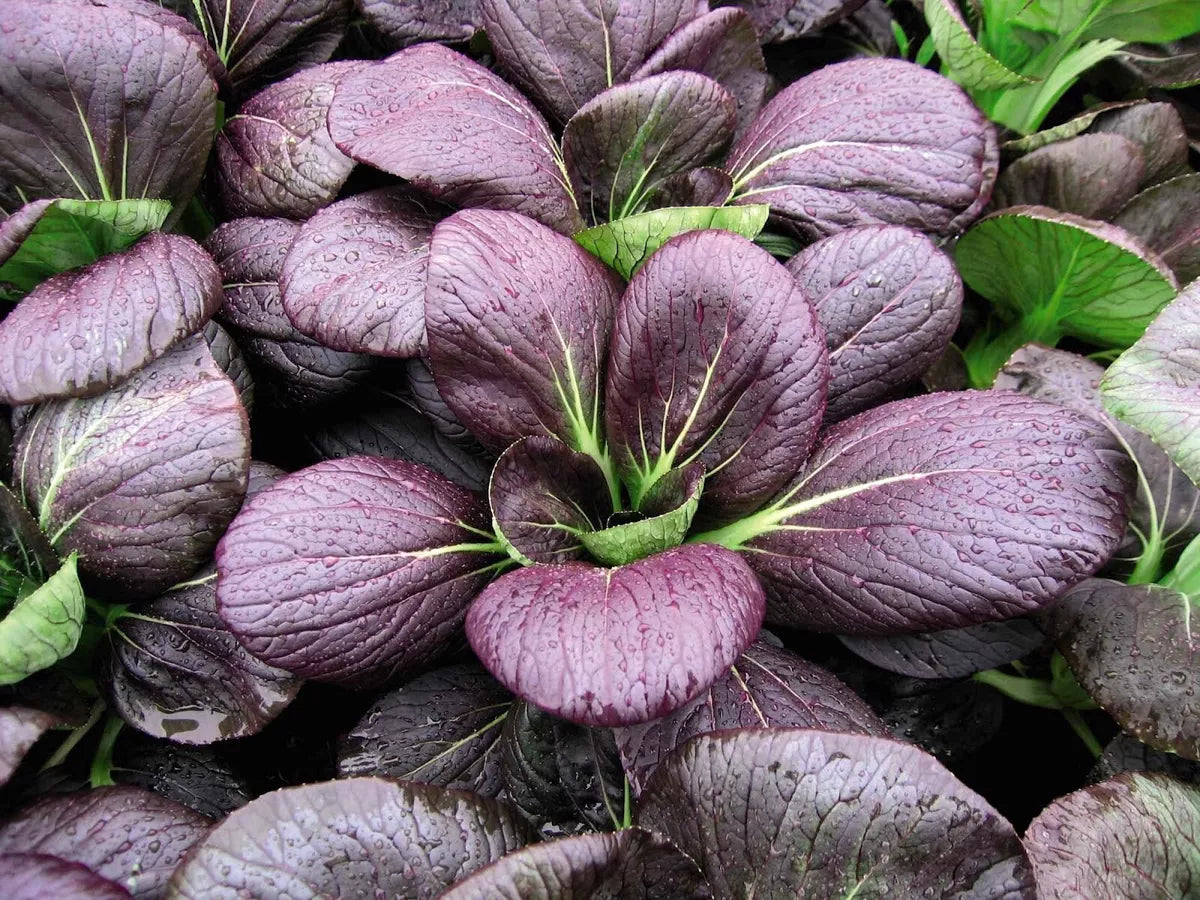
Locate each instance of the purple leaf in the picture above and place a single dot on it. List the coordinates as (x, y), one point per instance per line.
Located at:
(617, 646)
(357, 837)
(403, 22)
(354, 570)
(441, 728)
(141, 480)
(804, 17)
(1158, 130)
(176, 672)
(36, 876)
(275, 156)
(562, 53)
(1133, 836)
(432, 116)
(766, 688)
(623, 143)
(232, 361)
(1092, 175)
(889, 302)
(951, 653)
(722, 45)
(632, 864)
(544, 496)
(87, 330)
(518, 319)
(101, 103)
(125, 834)
(197, 777)
(704, 186)
(864, 142)
(940, 512)
(20, 728)
(354, 278)
(716, 357)
(817, 814)
(1166, 218)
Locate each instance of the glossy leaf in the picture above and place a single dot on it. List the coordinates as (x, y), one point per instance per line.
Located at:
(441, 728)
(1155, 385)
(562, 54)
(230, 358)
(20, 728)
(938, 512)
(951, 653)
(818, 814)
(140, 481)
(716, 358)
(766, 688)
(1133, 836)
(354, 570)
(275, 157)
(354, 278)
(46, 237)
(125, 834)
(1166, 218)
(518, 320)
(404, 23)
(888, 301)
(623, 143)
(1092, 175)
(970, 64)
(397, 839)
(430, 116)
(42, 627)
(195, 777)
(669, 507)
(36, 876)
(865, 142)
(625, 244)
(102, 103)
(1125, 753)
(85, 331)
(617, 646)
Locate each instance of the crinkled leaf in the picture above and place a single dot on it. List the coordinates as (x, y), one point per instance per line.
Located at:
(716, 357)
(101, 103)
(302, 374)
(1125, 753)
(394, 839)
(20, 728)
(43, 626)
(264, 40)
(37, 876)
(354, 278)
(623, 143)
(723, 45)
(175, 671)
(627, 243)
(394, 428)
(868, 141)
(970, 64)
(818, 814)
(545, 497)
(888, 301)
(1155, 384)
(125, 834)
(950, 653)
(632, 864)
(403, 22)
(1158, 129)
(354, 570)
(441, 728)
(1134, 650)
(232, 361)
(1166, 217)
(939, 512)
(703, 186)
(1092, 175)
(1133, 836)
(194, 776)
(518, 319)
(617, 646)
(786, 20)
(951, 719)
(85, 331)
(141, 480)
(46, 237)
(424, 392)
(669, 507)
(432, 117)
(562, 54)
(766, 688)
(275, 156)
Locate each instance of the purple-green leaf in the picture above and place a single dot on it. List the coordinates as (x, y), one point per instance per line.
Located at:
(1166, 218)
(666, 514)
(617, 646)
(1158, 130)
(1092, 175)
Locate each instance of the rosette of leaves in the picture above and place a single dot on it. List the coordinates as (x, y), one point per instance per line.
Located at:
(662, 485)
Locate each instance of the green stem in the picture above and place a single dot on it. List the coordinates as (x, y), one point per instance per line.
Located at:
(627, 817)
(101, 774)
(1080, 727)
(72, 740)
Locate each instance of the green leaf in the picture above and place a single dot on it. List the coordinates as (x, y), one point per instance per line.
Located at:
(1185, 577)
(781, 246)
(1023, 109)
(1051, 274)
(1152, 21)
(1068, 129)
(664, 529)
(73, 233)
(925, 51)
(44, 627)
(627, 243)
(970, 65)
(1155, 384)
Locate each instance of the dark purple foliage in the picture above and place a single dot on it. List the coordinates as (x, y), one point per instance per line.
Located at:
(1092, 175)
(403, 22)
(950, 653)
(37, 876)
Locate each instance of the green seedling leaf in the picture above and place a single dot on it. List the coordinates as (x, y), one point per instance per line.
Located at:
(970, 64)
(627, 243)
(670, 507)
(43, 627)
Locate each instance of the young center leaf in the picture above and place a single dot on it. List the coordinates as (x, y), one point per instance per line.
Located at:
(43, 626)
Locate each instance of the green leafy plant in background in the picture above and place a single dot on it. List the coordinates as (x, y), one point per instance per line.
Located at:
(1021, 57)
